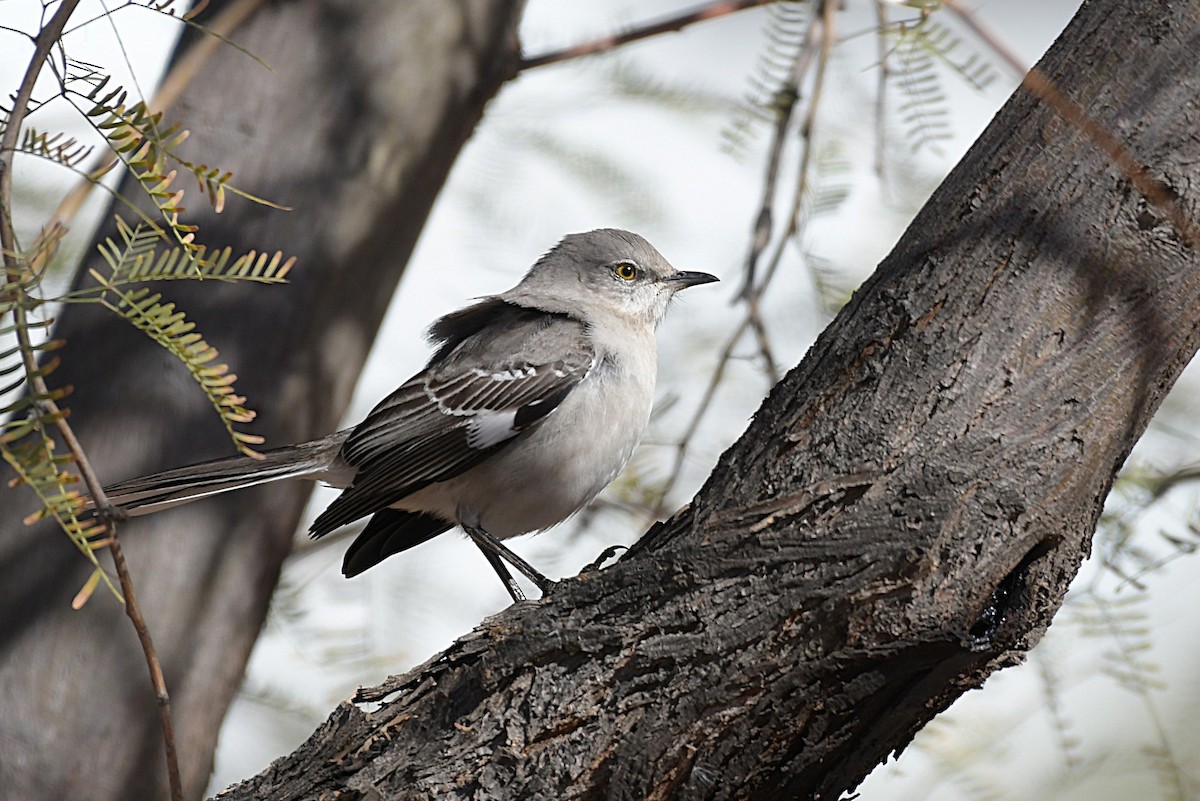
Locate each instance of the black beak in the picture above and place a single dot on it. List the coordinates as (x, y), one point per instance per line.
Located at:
(685, 279)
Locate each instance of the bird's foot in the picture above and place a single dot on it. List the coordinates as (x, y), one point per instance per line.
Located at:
(605, 555)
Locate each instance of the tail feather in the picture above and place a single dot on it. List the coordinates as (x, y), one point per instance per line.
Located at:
(139, 496)
(390, 531)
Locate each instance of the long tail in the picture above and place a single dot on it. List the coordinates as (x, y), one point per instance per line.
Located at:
(315, 459)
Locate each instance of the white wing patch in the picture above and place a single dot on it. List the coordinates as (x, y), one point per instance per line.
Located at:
(529, 371)
(491, 428)
(492, 401)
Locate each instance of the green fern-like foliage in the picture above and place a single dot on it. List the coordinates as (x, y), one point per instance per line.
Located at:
(27, 358)
(140, 257)
(56, 147)
(148, 148)
(924, 112)
(145, 145)
(159, 247)
(14, 367)
(920, 53)
(51, 478)
(161, 321)
(25, 441)
(138, 138)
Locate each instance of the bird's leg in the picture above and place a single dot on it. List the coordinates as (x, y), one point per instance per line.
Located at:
(495, 550)
(501, 569)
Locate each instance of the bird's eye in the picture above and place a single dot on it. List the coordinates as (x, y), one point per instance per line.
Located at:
(626, 271)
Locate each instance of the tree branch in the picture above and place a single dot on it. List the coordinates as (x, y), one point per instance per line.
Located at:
(677, 22)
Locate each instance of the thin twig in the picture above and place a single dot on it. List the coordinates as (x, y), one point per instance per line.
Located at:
(710, 392)
(786, 98)
(761, 339)
(684, 442)
(669, 24)
(815, 49)
(828, 11)
(795, 215)
(50, 410)
(1152, 190)
(46, 40)
(885, 73)
(42, 45)
(810, 120)
(163, 698)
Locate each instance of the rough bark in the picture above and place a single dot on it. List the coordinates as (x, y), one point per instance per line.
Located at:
(355, 126)
(901, 519)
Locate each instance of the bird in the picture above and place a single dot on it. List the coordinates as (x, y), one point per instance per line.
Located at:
(533, 401)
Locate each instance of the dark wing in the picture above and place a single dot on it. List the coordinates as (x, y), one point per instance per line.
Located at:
(507, 374)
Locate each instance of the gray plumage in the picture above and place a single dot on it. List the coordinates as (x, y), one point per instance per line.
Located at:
(532, 403)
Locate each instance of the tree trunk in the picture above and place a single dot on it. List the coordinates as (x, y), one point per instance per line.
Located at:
(901, 519)
(355, 126)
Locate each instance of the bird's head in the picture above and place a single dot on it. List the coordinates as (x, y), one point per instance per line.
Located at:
(606, 271)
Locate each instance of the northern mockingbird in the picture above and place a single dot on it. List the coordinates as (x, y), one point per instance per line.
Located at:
(533, 402)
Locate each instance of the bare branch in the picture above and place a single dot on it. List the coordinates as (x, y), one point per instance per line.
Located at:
(674, 23)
